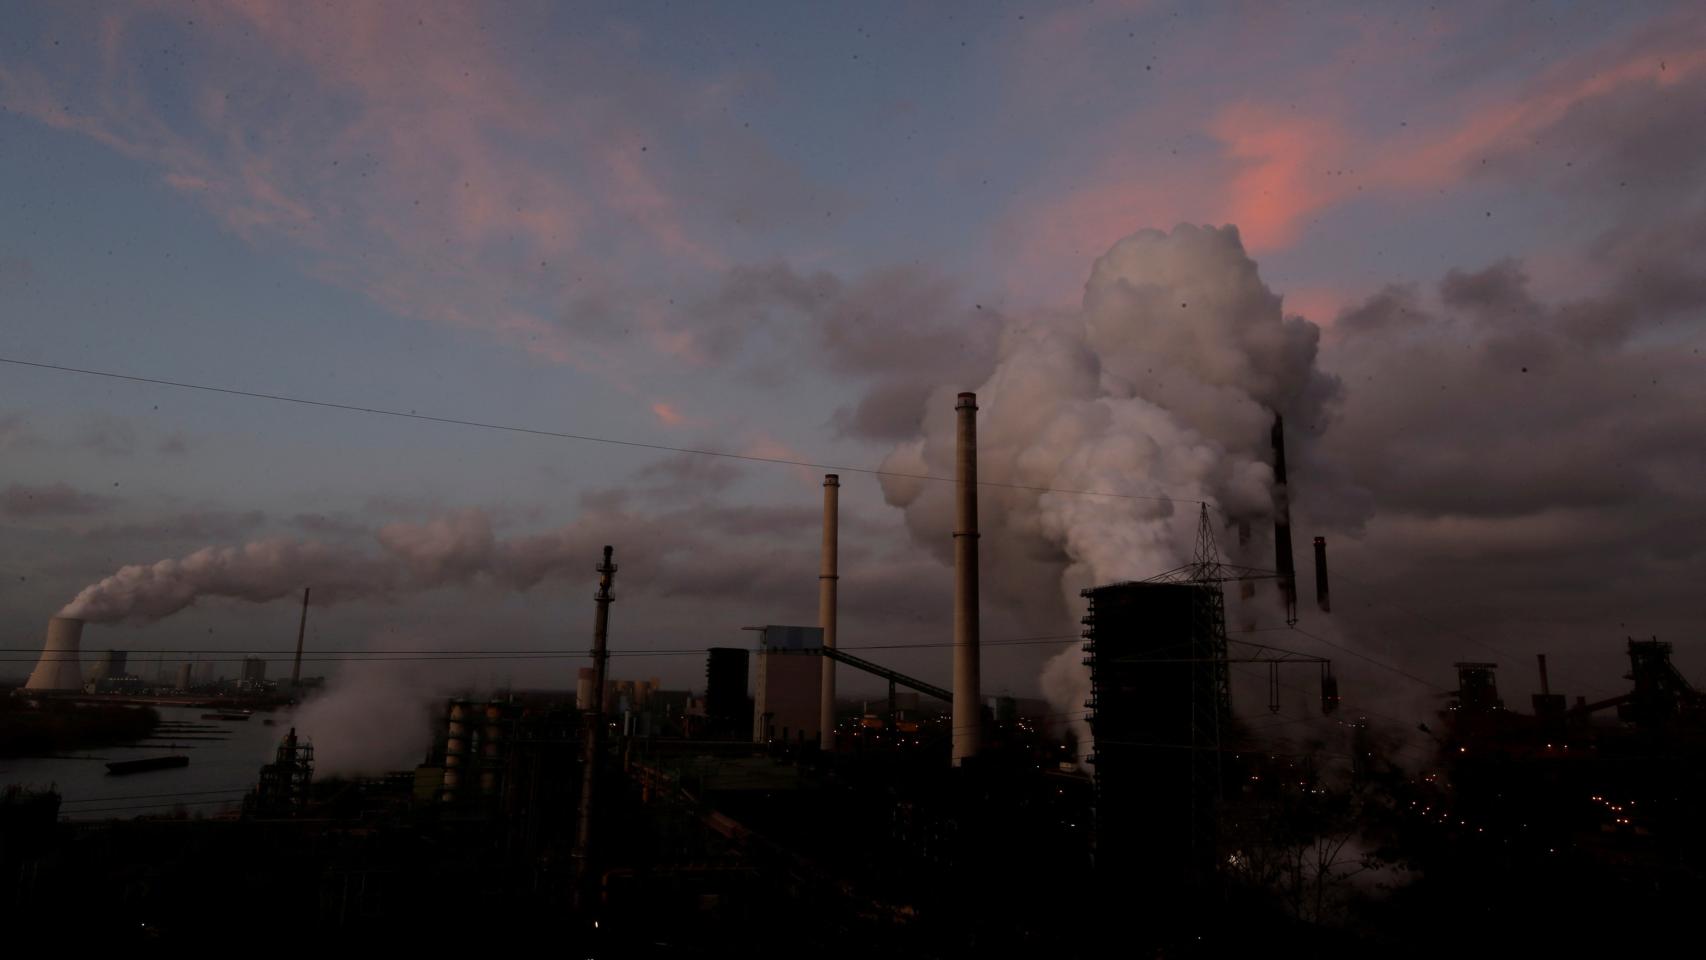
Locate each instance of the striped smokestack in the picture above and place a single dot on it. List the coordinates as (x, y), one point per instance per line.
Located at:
(968, 710)
(826, 582)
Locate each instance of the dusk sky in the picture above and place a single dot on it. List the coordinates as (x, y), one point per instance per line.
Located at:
(794, 231)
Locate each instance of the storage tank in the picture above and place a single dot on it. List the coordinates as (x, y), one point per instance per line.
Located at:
(60, 666)
(458, 733)
(583, 689)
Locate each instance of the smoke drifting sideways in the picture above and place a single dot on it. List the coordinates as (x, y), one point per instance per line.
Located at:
(1162, 384)
(459, 549)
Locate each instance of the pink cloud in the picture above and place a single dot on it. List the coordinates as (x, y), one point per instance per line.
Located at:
(411, 160)
(1277, 164)
(1281, 176)
(667, 414)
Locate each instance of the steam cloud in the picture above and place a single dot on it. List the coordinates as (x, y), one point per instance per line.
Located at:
(373, 717)
(1163, 384)
(460, 549)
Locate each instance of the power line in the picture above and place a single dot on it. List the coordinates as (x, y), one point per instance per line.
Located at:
(1379, 663)
(563, 435)
(1413, 611)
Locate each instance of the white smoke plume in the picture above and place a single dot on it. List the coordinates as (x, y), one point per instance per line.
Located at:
(1163, 384)
(460, 549)
(373, 717)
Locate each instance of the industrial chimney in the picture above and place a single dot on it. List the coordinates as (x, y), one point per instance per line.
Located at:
(968, 708)
(1283, 563)
(301, 630)
(60, 666)
(1321, 575)
(826, 584)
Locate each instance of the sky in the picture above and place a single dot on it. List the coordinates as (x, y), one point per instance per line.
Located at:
(1459, 245)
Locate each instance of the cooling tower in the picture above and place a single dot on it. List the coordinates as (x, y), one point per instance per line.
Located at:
(59, 667)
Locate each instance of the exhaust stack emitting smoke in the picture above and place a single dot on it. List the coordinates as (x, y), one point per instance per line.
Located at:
(456, 550)
(1163, 384)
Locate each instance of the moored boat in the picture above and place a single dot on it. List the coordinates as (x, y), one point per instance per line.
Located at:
(147, 763)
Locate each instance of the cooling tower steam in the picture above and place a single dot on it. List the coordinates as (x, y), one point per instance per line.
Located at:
(1163, 384)
(459, 549)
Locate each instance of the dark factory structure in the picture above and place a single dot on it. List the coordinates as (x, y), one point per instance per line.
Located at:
(1159, 703)
(728, 712)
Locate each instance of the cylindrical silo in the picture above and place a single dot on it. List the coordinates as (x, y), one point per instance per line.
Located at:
(458, 733)
(583, 689)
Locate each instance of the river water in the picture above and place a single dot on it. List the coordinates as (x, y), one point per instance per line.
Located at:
(220, 771)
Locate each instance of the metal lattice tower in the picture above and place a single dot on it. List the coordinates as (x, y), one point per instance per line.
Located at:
(1207, 787)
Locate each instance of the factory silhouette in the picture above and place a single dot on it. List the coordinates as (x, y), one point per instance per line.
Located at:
(768, 815)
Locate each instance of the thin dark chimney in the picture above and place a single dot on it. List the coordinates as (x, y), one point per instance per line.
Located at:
(1321, 575)
(1283, 563)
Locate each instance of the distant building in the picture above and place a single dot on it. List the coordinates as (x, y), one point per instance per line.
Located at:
(185, 678)
(1477, 689)
(789, 685)
(254, 670)
(726, 704)
(111, 664)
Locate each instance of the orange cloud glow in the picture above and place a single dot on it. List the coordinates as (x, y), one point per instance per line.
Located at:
(667, 414)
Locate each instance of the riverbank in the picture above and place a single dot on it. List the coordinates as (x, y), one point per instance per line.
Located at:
(54, 727)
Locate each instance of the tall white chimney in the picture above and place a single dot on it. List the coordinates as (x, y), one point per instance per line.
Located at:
(826, 582)
(60, 666)
(968, 707)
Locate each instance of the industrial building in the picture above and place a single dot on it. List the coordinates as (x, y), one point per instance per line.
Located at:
(788, 688)
(254, 670)
(111, 664)
(282, 789)
(1159, 703)
(727, 709)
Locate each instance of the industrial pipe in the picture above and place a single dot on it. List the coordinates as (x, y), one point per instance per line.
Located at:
(1283, 562)
(826, 600)
(968, 708)
(301, 629)
(594, 732)
(1321, 575)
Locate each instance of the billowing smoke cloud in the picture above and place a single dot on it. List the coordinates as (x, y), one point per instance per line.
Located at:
(455, 550)
(1162, 386)
(373, 717)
